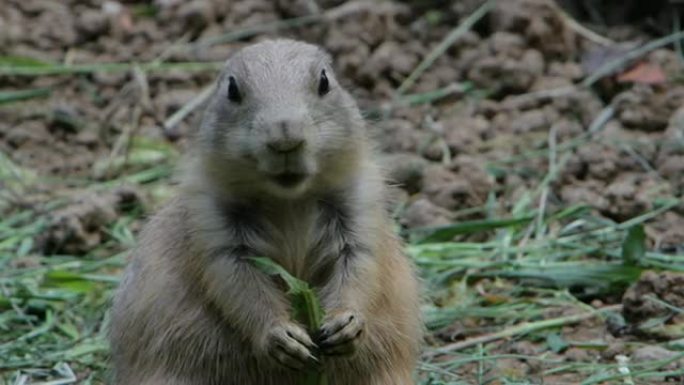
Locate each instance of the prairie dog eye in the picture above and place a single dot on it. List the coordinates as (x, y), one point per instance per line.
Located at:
(233, 91)
(323, 84)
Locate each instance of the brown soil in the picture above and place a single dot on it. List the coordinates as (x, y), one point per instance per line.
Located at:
(648, 298)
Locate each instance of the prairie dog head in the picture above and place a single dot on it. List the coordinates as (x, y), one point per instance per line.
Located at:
(279, 122)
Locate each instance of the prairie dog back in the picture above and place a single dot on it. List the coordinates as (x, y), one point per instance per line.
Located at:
(282, 168)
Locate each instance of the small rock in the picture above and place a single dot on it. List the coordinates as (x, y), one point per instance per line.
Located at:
(631, 194)
(423, 213)
(91, 24)
(398, 135)
(25, 262)
(389, 59)
(87, 138)
(568, 70)
(647, 109)
(196, 15)
(613, 349)
(666, 286)
(587, 192)
(668, 232)
(464, 134)
(506, 43)
(577, 355)
(530, 121)
(538, 22)
(406, 169)
(546, 83)
(463, 185)
(656, 353)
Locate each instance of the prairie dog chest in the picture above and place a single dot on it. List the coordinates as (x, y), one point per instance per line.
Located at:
(292, 229)
(291, 234)
(307, 236)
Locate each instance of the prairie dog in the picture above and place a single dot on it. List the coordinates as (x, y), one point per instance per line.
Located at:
(282, 168)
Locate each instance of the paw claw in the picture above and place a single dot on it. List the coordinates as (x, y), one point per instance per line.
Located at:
(289, 345)
(340, 334)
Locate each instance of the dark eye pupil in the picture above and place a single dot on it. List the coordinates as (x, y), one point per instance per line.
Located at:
(323, 85)
(233, 91)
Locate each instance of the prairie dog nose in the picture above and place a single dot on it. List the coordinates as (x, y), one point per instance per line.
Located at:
(285, 137)
(285, 145)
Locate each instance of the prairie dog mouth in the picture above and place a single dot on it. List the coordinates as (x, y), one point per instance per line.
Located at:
(289, 179)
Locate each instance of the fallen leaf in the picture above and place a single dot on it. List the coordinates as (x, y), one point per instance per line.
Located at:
(644, 73)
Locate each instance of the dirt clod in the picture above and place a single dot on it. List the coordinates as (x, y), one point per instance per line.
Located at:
(423, 213)
(638, 302)
(82, 225)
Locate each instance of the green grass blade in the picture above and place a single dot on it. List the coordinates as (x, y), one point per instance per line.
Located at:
(446, 233)
(22, 61)
(61, 69)
(634, 246)
(593, 277)
(16, 96)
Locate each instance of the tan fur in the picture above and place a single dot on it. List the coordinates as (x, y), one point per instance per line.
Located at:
(191, 309)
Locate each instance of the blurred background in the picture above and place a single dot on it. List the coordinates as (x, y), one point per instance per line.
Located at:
(538, 147)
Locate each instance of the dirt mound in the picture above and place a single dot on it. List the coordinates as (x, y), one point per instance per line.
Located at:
(654, 295)
(84, 222)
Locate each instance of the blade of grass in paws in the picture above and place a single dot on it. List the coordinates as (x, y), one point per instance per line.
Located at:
(305, 306)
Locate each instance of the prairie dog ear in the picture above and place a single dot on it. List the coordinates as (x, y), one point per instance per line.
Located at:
(230, 66)
(326, 58)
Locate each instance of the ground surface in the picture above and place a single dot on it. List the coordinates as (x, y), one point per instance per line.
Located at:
(560, 161)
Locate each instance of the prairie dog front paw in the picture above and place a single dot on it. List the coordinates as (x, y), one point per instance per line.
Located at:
(340, 334)
(289, 345)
